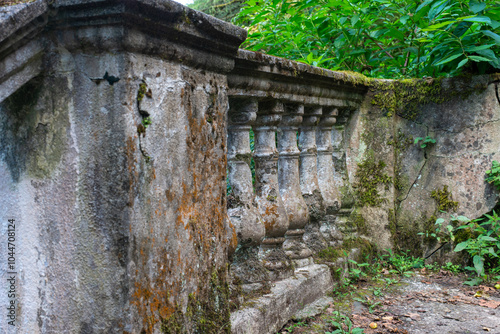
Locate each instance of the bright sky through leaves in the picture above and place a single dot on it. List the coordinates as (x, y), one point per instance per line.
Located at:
(184, 2)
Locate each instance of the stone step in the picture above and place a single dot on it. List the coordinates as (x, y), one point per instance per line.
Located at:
(270, 313)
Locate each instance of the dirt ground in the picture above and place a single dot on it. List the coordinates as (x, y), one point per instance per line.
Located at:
(424, 303)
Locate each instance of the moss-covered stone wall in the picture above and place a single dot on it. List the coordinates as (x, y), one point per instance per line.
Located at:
(402, 187)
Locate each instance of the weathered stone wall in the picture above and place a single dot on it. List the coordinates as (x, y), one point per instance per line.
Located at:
(113, 164)
(462, 115)
(118, 120)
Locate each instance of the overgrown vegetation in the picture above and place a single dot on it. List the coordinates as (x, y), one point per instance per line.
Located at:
(225, 10)
(4, 3)
(425, 141)
(493, 175)
(479, 238)
(383, 38)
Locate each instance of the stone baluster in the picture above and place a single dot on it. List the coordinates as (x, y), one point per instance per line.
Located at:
(289, 183)
(268, 198)
(326, 177)
(308, 164)
(242, 208)
(309, 178)
(326, 169)
(341, 177)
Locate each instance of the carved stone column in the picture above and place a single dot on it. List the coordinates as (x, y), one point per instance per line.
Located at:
(268, 198)
(242, 208)
(309, 178)
(326, 169)
(341, 177)
(289, 182)
(308, 164)
(326, 177)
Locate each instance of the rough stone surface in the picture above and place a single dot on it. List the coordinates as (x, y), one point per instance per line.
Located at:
(270, 312)
(113, 163)
(465, 126)
(313, 309)
(428, 316)
(467, 141)
(113, 126)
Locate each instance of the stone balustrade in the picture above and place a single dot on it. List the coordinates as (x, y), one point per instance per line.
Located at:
(291, 114)
(129, 121)
(123, 125)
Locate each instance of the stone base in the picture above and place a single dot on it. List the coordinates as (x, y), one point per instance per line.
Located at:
(270, 312)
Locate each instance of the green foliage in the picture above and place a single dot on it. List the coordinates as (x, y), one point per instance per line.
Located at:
(370, 303)
(402, 263)
(295, 325)
(493, 175)
(356, 271)
(146, 121)
(383, 38)
(425, 141)
(449, 266)
(481, 242)
(343, 325)
(225, 10)
(485, 248)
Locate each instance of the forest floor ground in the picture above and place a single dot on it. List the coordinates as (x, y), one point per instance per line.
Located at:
(425, 302)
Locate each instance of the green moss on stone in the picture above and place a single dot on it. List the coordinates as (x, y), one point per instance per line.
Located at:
(403, 97)
(444, 199)
(400, 142)
(368, 177)
(143, 88)
(208, 313)
(357, 223)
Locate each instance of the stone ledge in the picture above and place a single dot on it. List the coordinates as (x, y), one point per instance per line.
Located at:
(270, 312)
(13, 18)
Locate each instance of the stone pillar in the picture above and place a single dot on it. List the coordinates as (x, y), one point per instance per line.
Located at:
(113, 166)
(308, 164)
(309, 177)
(242, 208)
(289, 182)
(326, 169)
(268, 196)
(326, 177)
(341, 177)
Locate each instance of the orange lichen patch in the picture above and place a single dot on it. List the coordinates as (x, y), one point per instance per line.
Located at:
(170, 195)
(196, 241)
(269, 217)
(151, 295)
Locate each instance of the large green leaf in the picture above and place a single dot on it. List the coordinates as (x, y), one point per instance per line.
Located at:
(478, 264)
(478, 48)
(478, 58)
(447, 60)
(492, 35)
(478, 19)
(438, 25)
(476, 6)
(461, 246)
(487, 54)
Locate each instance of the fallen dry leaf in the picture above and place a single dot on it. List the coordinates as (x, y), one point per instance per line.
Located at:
(486, 288)
(489, 303)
